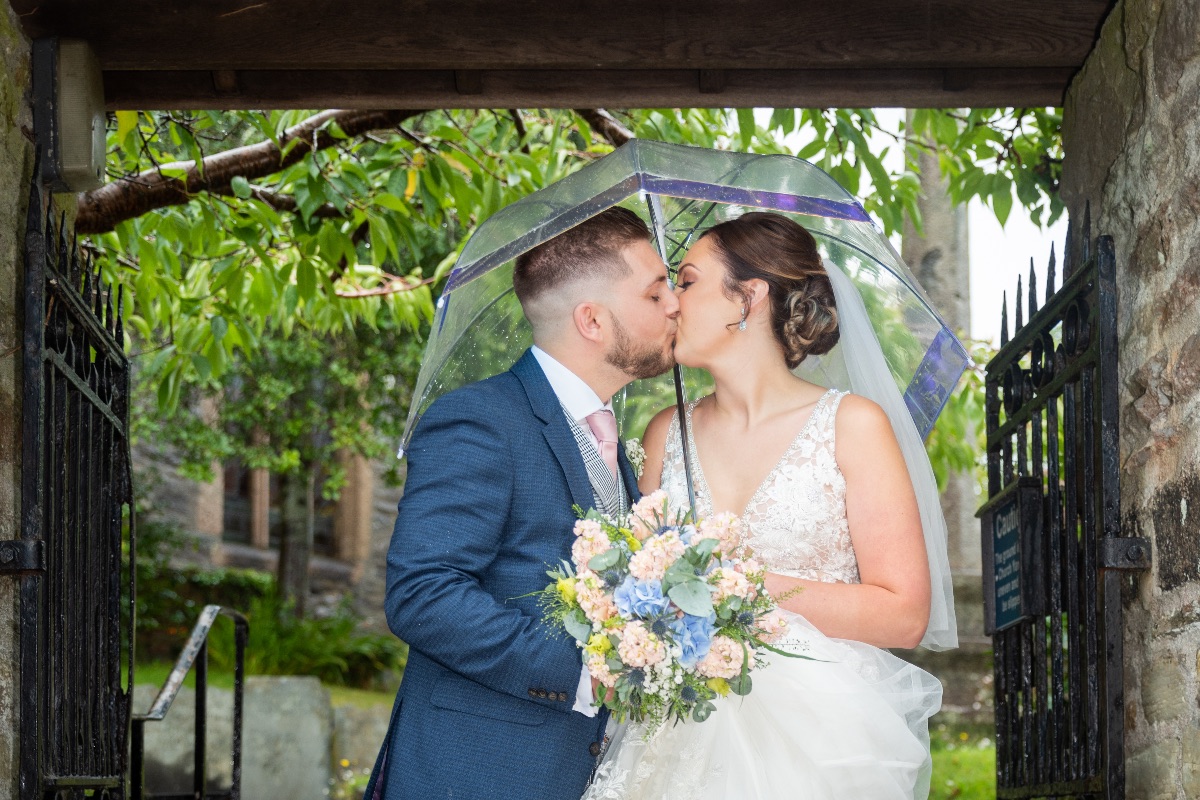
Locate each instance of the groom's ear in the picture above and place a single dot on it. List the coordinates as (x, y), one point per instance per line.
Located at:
(586, 317)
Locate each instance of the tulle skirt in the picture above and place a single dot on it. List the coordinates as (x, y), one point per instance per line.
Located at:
(854, 724)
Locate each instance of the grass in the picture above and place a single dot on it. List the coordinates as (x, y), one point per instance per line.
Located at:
(964, 756)
(964, 762)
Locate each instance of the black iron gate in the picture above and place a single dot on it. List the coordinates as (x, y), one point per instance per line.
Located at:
(1053, 553)
(71, 558)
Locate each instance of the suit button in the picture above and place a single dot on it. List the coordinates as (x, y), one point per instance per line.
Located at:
(541, 693)
(594, 749)
(533, 692)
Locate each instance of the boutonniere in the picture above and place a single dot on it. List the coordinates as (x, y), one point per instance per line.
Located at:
(636, 455)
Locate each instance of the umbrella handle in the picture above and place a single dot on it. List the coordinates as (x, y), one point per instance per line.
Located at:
(681, 406)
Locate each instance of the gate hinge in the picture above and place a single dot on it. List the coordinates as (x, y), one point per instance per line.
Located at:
(1124, 553)
(22, 556)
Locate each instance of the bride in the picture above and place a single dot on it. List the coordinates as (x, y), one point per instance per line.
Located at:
(824, 482)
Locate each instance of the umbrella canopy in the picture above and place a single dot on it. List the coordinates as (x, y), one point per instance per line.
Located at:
(479, 330)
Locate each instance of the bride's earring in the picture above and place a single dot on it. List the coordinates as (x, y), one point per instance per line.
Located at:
(742, 324)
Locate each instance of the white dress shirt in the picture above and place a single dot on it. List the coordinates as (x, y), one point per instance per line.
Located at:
(579, 400)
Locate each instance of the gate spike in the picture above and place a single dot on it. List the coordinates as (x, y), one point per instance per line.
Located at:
(1032, 289)
(98, 284)
(1004, 320)
(108, 311)
(71, 268)
(101, 289)
(119, 327)
(1069, 250)
(86, 291)
(63, 264)
(1019, 323)
(1050, 275)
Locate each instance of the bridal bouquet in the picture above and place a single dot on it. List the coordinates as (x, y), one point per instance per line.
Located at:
(670, 613)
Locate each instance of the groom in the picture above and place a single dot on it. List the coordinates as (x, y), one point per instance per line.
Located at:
(493, 704)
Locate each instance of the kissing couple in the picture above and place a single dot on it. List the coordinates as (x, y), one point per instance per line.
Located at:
(494, 705)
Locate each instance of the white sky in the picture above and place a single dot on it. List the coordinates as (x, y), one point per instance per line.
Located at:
(997, 255)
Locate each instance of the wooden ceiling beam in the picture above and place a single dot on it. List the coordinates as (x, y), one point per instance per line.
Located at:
(369, 89)
(184, 35)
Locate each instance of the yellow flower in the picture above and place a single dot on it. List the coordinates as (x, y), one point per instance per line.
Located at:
(718, 685)
(566, 589)
(634, 543)
(598, 644)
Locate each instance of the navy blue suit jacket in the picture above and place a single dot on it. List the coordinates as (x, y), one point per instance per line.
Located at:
(484, 709)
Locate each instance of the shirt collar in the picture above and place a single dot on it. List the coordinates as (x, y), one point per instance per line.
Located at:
(576, 396)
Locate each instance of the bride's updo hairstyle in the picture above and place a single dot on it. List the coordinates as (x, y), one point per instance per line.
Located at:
(774, 249)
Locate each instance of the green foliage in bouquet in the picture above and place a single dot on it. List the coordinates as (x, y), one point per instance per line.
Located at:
(670, 614)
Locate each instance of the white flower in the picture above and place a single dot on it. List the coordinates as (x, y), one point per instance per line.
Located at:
(636, 455)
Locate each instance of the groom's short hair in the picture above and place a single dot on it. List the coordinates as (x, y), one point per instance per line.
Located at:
(590, 250)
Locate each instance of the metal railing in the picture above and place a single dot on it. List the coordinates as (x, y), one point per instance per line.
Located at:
(1053, 549)
(195, 654)
(76, 484)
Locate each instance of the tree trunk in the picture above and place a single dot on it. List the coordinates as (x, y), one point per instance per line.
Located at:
(296, 543)
(940, 261)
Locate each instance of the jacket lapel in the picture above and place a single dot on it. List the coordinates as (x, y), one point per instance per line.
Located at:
(548, 409)
(627, 474)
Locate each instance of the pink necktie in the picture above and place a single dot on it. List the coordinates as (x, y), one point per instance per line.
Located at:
(604, 428)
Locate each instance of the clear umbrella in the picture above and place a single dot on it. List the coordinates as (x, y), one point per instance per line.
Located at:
(894, 348)
(478, 329)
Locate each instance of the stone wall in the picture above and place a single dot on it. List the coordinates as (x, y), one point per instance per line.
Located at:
(16, 165)
(295, 740)
(1132, 139)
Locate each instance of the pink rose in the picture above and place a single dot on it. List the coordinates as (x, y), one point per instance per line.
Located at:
(639, 647)
(587, 546)
(727, 529)
(724, 659)
(773, 625)
(589, 527)
(596, 603)
(730, 583)
(598, 669)
(656, 556)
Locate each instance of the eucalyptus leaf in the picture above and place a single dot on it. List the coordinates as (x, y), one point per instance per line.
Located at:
(606, 560)
(741, 684)
(578, 626)
(692, 597)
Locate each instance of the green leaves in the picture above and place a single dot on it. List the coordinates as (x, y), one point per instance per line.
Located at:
(693, 597)
(606, 560)
(996, 153)
(577, 626)
(241, 187)
(321, 254)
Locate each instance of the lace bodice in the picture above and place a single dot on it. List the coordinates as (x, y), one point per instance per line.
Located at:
(797, 517)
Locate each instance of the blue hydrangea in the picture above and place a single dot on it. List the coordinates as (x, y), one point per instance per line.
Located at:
(694, 636)
(643, 599)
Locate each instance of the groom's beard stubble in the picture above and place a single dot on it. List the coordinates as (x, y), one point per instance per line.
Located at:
(645, 361)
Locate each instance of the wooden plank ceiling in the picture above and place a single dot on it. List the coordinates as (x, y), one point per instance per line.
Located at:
(619, 53)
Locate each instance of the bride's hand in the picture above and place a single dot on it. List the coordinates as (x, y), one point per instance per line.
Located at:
(600, 693)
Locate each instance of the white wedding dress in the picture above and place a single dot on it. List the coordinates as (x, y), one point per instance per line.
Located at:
(852, 725)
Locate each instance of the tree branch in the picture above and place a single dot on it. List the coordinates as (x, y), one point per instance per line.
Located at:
(285, 202)
(394, 285)
(519, 124)
(100, 210)
(606, 125)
